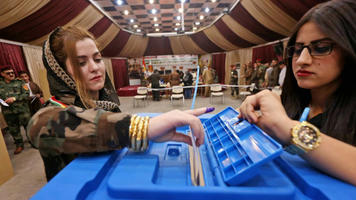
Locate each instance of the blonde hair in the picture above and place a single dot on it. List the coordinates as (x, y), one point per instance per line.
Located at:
(63, 47)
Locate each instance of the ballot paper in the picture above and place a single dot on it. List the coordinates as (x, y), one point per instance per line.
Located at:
(195, 163)
(4, 103)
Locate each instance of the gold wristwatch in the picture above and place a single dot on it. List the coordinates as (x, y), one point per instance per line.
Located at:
(305, 137)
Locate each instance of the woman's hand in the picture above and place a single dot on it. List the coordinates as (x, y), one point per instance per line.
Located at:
(163, 127)
(272, 117)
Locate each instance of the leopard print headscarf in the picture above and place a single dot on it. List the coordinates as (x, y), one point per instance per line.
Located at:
(63, 86)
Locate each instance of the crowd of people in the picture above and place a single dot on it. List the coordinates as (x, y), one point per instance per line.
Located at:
(318, 70)
(264, 75)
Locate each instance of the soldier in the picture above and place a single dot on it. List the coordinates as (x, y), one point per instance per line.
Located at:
(15, 93)
(261, 70)
(248, 73)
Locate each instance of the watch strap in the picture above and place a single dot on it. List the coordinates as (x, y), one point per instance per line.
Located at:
(295, 150)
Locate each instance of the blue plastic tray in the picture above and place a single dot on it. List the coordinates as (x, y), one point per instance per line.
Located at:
(239, 147)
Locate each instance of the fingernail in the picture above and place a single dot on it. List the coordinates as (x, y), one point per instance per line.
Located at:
(209, 109)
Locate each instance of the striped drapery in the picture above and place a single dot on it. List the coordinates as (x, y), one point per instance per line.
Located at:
(249, 23)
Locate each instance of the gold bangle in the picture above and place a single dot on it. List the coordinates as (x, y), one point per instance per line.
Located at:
(144, 135)
(134, 131)
(133, 117)
(139, 135)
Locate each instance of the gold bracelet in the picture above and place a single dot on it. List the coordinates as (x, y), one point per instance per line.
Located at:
(134, 132)
(144, 135)
(139, 135)
(133, 117)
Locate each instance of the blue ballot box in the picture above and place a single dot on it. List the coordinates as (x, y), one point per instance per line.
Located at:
(238, 161)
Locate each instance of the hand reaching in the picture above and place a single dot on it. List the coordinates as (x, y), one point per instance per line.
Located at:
(271, 117)
(163, 127)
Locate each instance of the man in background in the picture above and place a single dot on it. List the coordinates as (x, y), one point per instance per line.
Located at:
(282, 73)
(234, 78)
(207, 79)
(36, 94)
(154, 79)
(188, 81)
(15, 108)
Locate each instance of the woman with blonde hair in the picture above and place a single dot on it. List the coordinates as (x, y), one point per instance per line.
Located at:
(83, 114)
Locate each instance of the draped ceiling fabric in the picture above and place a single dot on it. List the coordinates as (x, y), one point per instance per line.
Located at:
(249, 23)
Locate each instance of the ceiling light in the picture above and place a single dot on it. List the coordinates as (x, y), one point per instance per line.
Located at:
(157, 29)
(180, 10)
(156, 25)
(135, 26)
(132, 20)
(176, 29)
(197, 23)
(126, 12)
(201, 17)
(155, 19)
(152, 1)
(153, 11)
(178, 17)
(177, 24)
(138, 30)
(119, 2)
(213, 1)
(206, 10)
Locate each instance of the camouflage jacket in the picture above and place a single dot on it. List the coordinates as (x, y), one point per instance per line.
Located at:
(19, 90)
(61, 133)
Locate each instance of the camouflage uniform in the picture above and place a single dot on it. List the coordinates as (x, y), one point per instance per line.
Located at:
(61, 134)
(18, 113)
(261, 74)
(248, 74)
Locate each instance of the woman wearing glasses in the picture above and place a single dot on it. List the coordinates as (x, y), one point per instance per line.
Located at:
(321, 69)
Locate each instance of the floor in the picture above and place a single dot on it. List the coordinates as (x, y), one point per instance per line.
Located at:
(28, 166)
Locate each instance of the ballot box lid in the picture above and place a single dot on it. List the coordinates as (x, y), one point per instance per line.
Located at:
(240, 147)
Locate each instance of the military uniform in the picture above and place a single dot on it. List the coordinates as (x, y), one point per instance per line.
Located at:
(261, 70)
(17, 113)
(61, 134)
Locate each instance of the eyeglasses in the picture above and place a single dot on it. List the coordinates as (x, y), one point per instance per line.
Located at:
(320, 48)
(9, 73)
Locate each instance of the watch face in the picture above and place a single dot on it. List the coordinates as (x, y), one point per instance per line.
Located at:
(307, 136)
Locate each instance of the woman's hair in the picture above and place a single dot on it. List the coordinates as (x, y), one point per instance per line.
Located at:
(337, 20)
(63, 47)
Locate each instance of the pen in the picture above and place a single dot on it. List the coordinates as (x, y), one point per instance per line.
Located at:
(305, 114)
